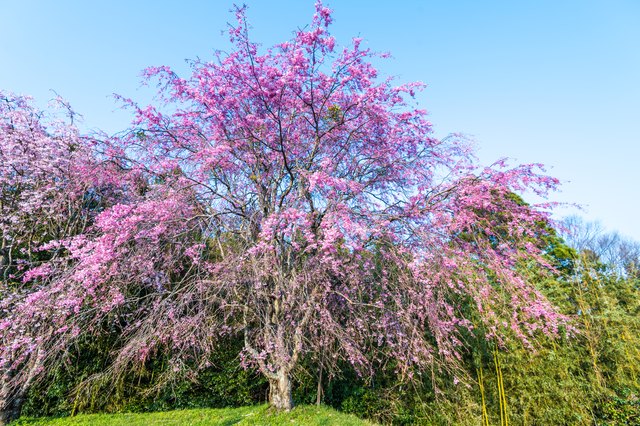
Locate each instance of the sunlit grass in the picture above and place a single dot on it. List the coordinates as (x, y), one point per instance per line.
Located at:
(254, 415)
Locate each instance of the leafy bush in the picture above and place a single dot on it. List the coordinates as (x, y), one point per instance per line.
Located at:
(77, 388)
(621, 409)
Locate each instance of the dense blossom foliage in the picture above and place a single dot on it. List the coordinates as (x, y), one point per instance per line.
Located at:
(46, 171)
(291, 196)
(38, 181)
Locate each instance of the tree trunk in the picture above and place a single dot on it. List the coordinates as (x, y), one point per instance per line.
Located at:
(5, 418)
(319, 392)
(5, 400)
(12, 396)
(10, 411)
(280, 392)
(10, 406)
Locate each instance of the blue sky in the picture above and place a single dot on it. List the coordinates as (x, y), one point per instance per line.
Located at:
(556, 82)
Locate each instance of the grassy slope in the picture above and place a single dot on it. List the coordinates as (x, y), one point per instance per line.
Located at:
(256, 415)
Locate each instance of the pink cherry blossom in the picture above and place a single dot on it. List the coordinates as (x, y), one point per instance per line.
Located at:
(286, 195)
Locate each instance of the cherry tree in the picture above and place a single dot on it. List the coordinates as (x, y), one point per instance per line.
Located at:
(33, 165)
(41, 198)
(51, 187)
(294, 197)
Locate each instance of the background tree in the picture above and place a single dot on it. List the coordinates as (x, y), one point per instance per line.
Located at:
(53, 183)
(618, 254)
(49, 190)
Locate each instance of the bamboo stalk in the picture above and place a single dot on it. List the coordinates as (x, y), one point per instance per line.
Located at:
(485, 415)
(504, 417)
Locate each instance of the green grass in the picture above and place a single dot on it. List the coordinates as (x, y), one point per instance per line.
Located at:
(255, 415)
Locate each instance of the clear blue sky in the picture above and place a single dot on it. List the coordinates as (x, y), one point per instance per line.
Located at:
(556, 82)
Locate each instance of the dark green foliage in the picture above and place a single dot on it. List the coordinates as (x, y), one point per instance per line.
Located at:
(225, 384)
(52, 396)
(76, 388)
(621, 409)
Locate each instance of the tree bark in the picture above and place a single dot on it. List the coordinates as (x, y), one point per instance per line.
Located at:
(5, 399)
(12, 396)
(280, 391)
(319, 392)
(10, 406)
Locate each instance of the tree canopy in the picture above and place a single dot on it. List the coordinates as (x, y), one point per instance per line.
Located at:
(287, 195)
